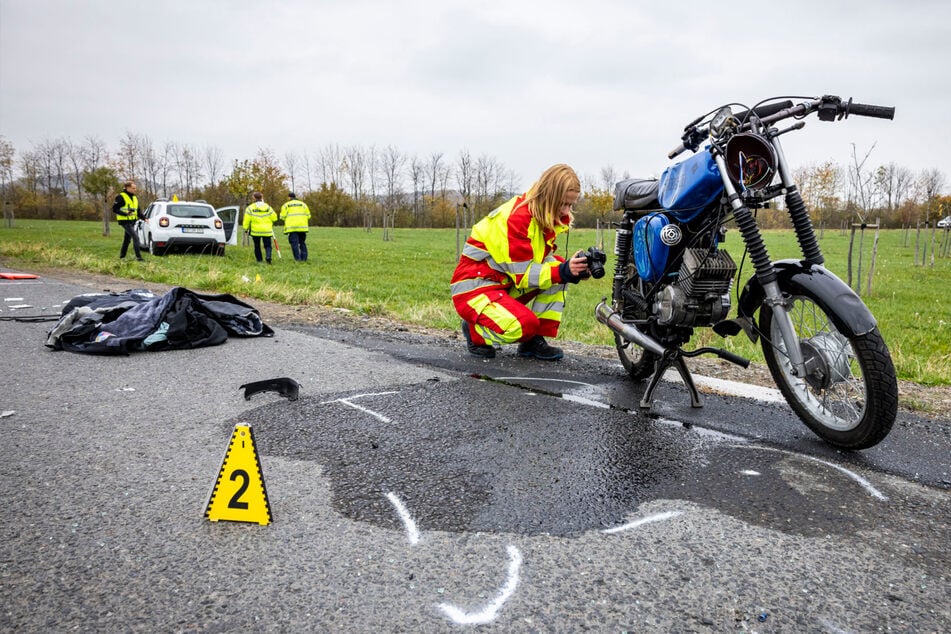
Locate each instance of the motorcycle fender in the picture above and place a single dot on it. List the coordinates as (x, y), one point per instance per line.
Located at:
(846, 310)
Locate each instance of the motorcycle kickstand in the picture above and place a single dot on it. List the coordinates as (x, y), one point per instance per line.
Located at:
(675, 359)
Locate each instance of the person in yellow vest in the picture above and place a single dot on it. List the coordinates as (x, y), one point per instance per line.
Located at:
(296, 217)
(126, 209)
(259, 219)
(509, 285)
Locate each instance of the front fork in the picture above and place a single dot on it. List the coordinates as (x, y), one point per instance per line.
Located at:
(765, 272)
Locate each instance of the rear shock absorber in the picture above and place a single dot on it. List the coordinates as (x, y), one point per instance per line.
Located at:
(805, 233)
(623, 240)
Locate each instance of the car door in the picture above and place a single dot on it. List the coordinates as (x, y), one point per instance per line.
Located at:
(229, 218)
(141, 226)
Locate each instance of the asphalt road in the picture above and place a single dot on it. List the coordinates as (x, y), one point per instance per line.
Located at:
(414, 488)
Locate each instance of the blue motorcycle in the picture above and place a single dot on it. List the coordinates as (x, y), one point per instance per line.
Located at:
(673, 274)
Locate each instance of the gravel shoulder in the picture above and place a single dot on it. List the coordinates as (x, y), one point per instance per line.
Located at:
(931, 401)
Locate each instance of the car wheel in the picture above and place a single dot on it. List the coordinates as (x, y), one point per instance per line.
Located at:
(154, 250)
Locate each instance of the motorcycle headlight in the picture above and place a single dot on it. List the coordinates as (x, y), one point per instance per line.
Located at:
(750, 160)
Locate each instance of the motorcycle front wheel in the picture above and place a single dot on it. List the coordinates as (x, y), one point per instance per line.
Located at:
(849, 396)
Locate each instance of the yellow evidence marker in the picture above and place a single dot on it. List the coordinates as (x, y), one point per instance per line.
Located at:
(239, 494)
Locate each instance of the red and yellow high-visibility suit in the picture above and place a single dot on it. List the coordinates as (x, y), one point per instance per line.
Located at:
(507, 285)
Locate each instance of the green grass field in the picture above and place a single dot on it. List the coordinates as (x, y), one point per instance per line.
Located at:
(407, 278)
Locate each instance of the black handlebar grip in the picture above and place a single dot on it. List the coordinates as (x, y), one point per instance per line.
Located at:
(764, 111)
(866, 110)
(677, 150)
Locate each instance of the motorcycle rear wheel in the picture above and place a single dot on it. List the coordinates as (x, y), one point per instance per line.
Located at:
(638, 362)
(850, 396)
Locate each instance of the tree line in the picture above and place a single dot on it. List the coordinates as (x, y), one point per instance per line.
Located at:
(368, 186)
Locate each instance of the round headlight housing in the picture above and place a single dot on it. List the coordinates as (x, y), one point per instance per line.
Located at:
(750, 161)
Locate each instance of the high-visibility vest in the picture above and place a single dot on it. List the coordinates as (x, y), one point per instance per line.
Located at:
(296, 215)
(129, 211)
(259, 218)
(508, 249)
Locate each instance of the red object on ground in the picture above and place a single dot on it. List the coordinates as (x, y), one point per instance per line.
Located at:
(18, 276)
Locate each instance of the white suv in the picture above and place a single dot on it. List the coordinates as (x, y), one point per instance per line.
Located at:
(188, 226)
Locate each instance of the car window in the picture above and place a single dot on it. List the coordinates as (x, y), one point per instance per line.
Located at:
(191, 211)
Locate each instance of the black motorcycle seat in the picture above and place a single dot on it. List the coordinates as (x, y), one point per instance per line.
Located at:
(636, 193)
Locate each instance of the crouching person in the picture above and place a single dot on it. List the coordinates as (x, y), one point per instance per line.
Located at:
(509, 286)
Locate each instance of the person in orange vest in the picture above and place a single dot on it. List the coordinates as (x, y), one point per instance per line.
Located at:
(259, 219)
(126, 209)
(509, 286)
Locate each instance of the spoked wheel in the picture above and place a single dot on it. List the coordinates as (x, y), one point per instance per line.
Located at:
(849, 396)
(638, 362)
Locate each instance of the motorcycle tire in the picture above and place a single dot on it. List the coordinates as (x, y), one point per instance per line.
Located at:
(638, 362)
(850, 396)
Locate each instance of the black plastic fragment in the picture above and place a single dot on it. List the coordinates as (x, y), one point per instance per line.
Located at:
(288, 388)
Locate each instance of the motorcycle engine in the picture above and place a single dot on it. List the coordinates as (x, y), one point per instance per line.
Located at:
(701, 294)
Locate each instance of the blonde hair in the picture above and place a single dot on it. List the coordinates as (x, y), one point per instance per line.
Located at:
(546, 196)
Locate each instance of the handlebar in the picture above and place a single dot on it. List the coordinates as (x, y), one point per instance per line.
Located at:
(829, 108)
(865, 110)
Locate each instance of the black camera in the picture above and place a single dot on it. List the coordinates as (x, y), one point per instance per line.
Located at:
(596, 259)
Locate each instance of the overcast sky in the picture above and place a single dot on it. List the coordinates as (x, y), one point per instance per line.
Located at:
(591, 83)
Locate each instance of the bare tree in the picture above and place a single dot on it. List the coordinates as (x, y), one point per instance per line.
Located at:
(75, 153)
(214, 164)
(433, 172)
(373, 167)
(862, 184)
(130, 148)
(150, 166)
(188, 167)
(333, 164)
(30, 170)
(355, 165)
(7, 152)
(608, 178)
(392, 161)
(464, 175)
(291, 164)
(305, 158)
(94, 153)
(416, 174)
(166, 163)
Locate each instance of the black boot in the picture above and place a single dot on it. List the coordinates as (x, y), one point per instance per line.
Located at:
(537, 347)
(485, 352)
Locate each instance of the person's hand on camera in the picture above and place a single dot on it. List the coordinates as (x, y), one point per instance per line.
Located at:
(575, 269)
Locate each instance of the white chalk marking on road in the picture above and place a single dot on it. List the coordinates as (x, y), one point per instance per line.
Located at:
(346, 401)
(719, 386)
(702, 431)
(532, 378)
(412, 533)
(733, 388)
(750, 472)
(865, 484)
(376, 415)
(585, 401)
(13, 299)
(659, 517)
(488, 613)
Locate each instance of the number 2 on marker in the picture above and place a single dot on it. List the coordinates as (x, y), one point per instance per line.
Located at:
(235, 502)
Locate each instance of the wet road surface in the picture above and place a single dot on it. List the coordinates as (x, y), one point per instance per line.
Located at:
(415, 488)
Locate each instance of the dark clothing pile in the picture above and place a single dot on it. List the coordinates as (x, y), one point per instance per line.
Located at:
(120, 323)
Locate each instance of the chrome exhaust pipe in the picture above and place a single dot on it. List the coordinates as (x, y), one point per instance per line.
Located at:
(609, 317)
